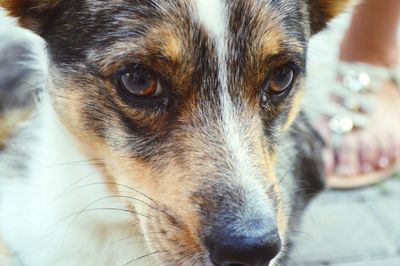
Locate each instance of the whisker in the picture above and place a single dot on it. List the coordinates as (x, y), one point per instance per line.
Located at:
(303, 235)
(122, 196)
(134, 236)
(80, 163)
(69, 188)
(86, 209)
(285, 174)
(141, 257)
(121, 185)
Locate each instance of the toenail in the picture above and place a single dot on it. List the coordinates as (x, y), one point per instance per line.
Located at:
(383, 162)
(366, 167)
(344, 170)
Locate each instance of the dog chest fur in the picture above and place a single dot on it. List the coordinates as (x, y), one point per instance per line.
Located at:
(54, 215)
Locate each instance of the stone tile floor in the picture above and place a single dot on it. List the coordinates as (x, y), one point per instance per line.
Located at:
(352, 228)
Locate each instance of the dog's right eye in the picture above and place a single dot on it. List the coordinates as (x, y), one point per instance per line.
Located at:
(138, 81)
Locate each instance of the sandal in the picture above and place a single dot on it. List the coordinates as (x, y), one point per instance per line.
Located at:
(346, 108)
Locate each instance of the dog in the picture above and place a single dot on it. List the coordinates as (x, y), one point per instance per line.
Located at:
(169, 132)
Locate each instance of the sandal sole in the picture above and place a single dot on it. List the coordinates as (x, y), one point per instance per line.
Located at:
(359, 181)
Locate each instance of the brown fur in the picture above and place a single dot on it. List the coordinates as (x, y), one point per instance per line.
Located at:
(9, 121)
(294, 110)
(324, 11)
(29, 12)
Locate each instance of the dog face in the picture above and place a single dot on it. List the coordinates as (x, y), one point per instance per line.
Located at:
(184, 102)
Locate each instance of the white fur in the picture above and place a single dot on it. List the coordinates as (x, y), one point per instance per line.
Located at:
(213, 15)
(41, 217)
(48, 217)
(6, 21)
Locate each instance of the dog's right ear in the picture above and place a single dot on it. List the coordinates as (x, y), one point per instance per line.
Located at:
(322, 11)
(31, 14)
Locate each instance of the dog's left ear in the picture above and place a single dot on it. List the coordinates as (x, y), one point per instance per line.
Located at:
(31, 14)
(322, 11)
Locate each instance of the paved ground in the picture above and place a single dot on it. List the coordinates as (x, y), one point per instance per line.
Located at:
(353, 228)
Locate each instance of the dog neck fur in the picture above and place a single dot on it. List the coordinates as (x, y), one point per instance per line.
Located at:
(58, 210)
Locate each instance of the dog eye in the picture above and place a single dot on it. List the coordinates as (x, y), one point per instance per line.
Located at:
(141, 82)
(281, 80)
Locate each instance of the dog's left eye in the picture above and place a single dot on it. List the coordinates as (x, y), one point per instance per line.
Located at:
(140, 82)
(280, 80)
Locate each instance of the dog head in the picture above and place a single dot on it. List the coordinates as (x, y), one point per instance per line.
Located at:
(185, 102)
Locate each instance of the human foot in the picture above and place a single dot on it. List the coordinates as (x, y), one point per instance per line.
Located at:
(363, 140)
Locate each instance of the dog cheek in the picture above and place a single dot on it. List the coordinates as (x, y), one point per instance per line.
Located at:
(166, 215)
(271, 183)
(294, 110)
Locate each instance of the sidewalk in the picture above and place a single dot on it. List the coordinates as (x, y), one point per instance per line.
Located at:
(353, 228)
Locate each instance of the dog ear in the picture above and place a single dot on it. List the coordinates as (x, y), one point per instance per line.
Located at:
(322, 11)
(31, 14)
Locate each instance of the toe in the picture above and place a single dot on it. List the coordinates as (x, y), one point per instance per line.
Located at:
(347, 156)
(329, 161)
(394, 147)
(369, 153)
(385, 155)
(328, 155)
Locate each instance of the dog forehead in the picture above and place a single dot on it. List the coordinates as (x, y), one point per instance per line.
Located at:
(182, 38)
(254, 21)
(215, 14)
(212, 14)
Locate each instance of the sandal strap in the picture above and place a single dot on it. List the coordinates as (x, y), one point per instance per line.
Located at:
(348, 84)
(358, 77)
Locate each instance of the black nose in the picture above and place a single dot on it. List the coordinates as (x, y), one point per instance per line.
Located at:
(253, 247)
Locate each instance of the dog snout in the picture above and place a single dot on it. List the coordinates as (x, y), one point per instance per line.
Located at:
(256, 245)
